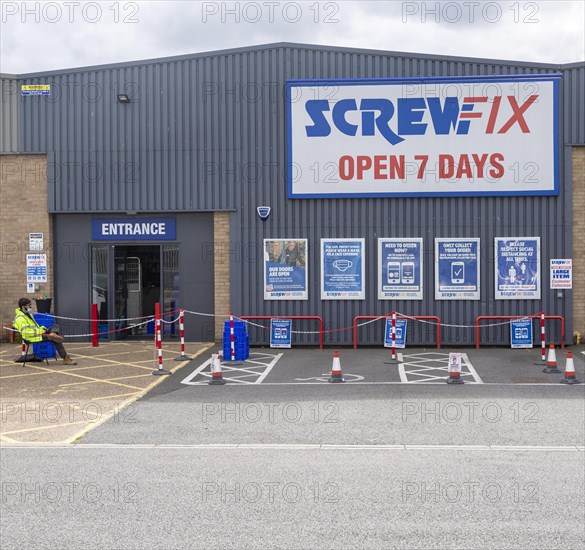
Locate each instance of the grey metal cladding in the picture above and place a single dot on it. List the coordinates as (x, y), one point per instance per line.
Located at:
(207, 132)
(9, 114)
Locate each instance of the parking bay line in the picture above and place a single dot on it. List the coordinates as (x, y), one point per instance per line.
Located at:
(421, 368)
(199, 370)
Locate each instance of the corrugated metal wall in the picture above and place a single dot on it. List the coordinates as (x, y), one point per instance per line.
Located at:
(9, 114)
(207, 132)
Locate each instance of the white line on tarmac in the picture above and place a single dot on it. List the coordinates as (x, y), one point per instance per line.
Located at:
(444, 383)
(306, 447)
(227, 369)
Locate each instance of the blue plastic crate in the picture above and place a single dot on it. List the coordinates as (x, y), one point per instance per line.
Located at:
(44, 319)
(45, 350)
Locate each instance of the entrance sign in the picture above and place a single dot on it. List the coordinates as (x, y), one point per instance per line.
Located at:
(400, 268)
(561, 273)
(285, 269)
(36, 268)
(280, 333)
(343, 269)
(413, 137)
(400, 336)
(521, 333)
(133, 229)
(517, 268)
(457, 272)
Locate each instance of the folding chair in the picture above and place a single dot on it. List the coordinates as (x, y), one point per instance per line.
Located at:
(43, 350)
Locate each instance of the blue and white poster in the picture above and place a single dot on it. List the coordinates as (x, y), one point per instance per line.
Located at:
(457, 269)
(280, 333)
(285, 269)
(400, 336)
(400, 268)
(517, 268)
(343, 269)
(521, 333)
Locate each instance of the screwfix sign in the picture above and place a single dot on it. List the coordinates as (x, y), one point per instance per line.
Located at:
(423, 137)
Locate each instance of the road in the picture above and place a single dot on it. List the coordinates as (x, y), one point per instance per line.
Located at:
(311, 465)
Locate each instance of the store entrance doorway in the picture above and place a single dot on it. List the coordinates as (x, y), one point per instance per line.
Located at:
(139, 276)
(137, 285)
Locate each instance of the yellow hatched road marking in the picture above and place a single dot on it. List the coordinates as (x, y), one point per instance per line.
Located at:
(109, 379)
(135, 397)
(43, 427)
(87, 378)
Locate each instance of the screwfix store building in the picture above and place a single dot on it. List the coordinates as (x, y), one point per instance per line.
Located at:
(427, 185)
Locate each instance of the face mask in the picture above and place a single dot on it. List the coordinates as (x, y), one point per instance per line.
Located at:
(28, 309)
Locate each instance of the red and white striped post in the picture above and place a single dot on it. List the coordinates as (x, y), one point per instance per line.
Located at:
(232, 339)
(182, 357)
(542, 337)
(158, 342)
(393, 335)
(23, 350)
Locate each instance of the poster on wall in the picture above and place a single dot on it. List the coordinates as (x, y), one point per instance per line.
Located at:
(343, 269)
(561, 273)
(400, 268)
(285, 269)
(517, 268)
(457, 269)
(36, 268)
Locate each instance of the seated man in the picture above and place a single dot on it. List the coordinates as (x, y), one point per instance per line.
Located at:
(30, 330)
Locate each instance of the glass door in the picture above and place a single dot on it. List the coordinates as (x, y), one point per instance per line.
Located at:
(100, 284)
(170, 285)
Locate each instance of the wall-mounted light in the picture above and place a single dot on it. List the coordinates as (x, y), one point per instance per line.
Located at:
(123, 98)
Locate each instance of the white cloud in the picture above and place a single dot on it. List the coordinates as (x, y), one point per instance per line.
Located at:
(81, 34)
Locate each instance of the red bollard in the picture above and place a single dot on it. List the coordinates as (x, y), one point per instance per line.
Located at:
(94, 326)
(182, 357)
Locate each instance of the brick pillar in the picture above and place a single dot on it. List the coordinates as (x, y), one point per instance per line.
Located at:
(23, 210)
(579, 239)
(221, 231)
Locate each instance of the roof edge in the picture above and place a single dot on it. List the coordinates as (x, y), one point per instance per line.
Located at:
(277, 45)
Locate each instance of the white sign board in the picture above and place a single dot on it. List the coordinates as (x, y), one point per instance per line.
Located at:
(561, 273)
(35, 242)
(440, 136)
(455, 362)
(36, 268)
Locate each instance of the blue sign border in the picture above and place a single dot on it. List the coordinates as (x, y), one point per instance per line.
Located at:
(521, 343)
(282, 342)
(297, 83)
(399, 341)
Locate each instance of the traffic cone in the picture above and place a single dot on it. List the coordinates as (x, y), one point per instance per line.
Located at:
(570, 371)
(454, 374)
(551, 361)
(216, 376)
(336, 375)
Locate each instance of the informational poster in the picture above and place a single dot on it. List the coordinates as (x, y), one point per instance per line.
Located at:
(35, 242)
(457, 269)
(521, 333)
(280, 333)
(343, 269)
(399, 336)
(517, 268)
(285, 269)
(561, 273)
(36, 268)
(400, 269)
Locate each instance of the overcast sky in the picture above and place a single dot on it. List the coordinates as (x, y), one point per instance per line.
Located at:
(42, 36)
